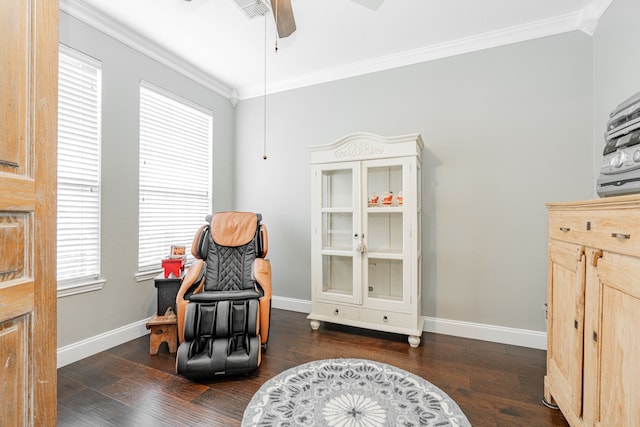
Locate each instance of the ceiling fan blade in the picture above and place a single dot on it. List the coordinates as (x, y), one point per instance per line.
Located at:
(283, 14)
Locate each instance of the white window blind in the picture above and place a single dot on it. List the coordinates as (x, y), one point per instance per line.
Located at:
(79, 122)
(175, 173)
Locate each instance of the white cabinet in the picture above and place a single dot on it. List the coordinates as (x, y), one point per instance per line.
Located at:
(365, 233)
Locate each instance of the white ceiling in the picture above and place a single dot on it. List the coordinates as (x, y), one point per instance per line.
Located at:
(216, 43)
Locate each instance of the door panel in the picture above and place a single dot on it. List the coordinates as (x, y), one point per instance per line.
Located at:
(14, 389)
(14, 33)
(387, 266)
(14, 235)
(28, 133)
(566, 320)
(336, 210)
(618, 346)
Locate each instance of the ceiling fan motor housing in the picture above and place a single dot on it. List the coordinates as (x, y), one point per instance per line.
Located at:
(253, 8)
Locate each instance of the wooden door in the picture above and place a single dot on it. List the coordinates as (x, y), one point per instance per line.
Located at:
(566, 325)
(28, 135)
(617, 370)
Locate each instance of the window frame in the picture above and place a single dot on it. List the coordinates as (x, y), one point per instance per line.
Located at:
(188, 161)
(80, 134)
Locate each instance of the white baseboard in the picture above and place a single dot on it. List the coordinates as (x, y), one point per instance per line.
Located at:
(291, 304)
(484, 332)
(520, 337)
(90, 346)
(478, 331)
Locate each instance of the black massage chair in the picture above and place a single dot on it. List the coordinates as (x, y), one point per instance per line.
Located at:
(224, 302)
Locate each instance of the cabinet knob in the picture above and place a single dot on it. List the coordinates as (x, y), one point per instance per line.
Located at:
(565, 229)
(385, 319)
(336, 312)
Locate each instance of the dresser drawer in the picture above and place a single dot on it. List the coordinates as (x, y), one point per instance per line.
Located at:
(615, 230)
(336, 311)
(388, 318)
(601, 224)
(568, 228)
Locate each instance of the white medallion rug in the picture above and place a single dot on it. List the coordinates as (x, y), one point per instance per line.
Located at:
(351, 393)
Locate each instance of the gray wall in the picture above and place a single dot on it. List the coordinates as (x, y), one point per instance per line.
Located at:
(617, 65)
(505, 130)
(123, 300)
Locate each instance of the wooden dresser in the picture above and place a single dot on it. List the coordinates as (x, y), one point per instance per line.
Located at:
(593, 349)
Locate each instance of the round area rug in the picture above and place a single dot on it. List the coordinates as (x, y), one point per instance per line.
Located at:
(351, 393)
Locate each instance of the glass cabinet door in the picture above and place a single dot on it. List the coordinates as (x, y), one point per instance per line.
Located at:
(384, 259)
(339, 235)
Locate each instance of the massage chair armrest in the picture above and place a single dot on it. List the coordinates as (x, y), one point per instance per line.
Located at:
(192, 283)
(262, 275)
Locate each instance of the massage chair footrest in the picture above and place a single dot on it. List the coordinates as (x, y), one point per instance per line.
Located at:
(220, 337)
(215, 359)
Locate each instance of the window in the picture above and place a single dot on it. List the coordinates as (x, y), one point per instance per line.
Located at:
(175, 173)
(79, 122)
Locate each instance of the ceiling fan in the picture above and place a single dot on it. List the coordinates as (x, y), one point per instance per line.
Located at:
(282, 13)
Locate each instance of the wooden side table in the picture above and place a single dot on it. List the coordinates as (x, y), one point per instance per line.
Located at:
(167, 289)
(163, 329)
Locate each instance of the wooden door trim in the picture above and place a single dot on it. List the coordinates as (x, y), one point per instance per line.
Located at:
(44, 116)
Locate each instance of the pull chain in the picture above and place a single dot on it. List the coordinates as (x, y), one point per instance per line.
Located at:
(264, 146)
(276, 26)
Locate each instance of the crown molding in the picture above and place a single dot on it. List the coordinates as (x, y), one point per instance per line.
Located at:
(590, 15)
(98, 20)
(584, 20)
(514, 34)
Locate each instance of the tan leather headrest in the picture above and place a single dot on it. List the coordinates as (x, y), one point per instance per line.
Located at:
(233, 228)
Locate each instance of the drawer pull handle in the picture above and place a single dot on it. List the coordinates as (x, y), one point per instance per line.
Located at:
(336, 312)
(565, 229)
(385, 319)
(621, 235)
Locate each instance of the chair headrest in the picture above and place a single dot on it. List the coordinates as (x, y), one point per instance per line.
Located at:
(233, 228)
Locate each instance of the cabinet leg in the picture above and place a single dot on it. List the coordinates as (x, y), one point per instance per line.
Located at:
(414, 340)
(315, 325)
(547, 399)
(548, 404)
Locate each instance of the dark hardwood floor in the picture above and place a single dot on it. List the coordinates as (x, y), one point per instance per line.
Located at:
(494, 384)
